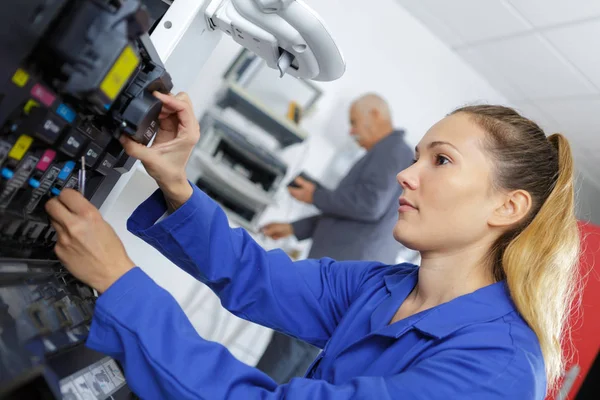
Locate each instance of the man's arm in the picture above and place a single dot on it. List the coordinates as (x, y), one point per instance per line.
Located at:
(370, 197)
(304, 228)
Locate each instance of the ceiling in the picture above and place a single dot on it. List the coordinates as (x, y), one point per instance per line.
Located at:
(543, 55)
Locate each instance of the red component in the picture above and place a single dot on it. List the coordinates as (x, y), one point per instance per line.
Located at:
(45, 96)
(46, 160)
(584, 320)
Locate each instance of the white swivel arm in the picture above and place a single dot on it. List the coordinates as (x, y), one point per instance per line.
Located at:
(287, 34)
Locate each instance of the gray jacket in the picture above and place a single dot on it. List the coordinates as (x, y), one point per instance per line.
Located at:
(358, 217)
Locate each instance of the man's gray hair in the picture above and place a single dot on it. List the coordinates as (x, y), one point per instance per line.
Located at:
(373, 101)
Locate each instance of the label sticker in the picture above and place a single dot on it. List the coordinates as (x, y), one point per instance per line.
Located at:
(20, 147)
(46, 160)
(66, 113)
(119, 73)
(45, 96)
(66, 170)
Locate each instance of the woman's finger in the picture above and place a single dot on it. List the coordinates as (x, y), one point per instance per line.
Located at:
(181, 107)
(58, 212)
(61, 230)
(135, 149)
(74, 201)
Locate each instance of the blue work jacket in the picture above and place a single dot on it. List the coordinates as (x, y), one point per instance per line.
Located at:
(476, 346)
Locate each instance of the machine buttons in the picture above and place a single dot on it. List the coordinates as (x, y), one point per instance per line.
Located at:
(66, 113)
(71, 183)
(92, 154)
(106, 164)
(20, 78)
(7, 173)
(99, 137)
(21, 146)
(46, 160)
(50, 128)
(30, 105)
(41, 187)
(66, 170)
(44, 124)
(45, 96)
(73, 143)
(34, 183)
(20, 177)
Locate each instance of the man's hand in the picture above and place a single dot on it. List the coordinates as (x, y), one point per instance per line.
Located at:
(87, 245)
(166, 158)
(277, 230)
(305, 192)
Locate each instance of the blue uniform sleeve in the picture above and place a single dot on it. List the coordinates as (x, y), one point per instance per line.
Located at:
(304, 299)
(142, 326)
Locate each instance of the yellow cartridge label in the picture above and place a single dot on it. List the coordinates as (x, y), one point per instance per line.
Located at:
(20, 78)
(119, 73)
(20, 147)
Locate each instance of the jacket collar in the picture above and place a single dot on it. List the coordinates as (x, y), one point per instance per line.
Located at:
(486, 304)
(396, 134)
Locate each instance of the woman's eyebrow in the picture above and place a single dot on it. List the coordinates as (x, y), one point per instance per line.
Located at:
(438, 143)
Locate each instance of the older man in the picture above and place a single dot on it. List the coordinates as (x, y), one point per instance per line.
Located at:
(355, 220)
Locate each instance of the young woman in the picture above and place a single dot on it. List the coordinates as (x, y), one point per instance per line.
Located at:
(489, 204)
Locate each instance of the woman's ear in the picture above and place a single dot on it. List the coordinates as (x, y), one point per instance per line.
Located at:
(514, 207)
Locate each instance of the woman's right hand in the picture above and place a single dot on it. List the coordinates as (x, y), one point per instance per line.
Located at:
(277, 230)
(166, 158)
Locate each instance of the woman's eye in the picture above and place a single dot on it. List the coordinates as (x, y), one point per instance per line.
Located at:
(441, 160)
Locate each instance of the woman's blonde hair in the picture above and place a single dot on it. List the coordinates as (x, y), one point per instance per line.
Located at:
(539, 257)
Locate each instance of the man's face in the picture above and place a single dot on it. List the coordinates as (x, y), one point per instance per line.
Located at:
(360, 127)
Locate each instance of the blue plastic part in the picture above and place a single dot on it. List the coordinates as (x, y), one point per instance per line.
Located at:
(66, 170)
(55, 191)
(66, 113)
(7, 173)
(34, 183)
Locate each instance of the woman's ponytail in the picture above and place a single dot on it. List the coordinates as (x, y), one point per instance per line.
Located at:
(540, 264)
(539, 257)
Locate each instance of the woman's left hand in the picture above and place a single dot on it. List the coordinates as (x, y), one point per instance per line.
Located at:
(87, 245)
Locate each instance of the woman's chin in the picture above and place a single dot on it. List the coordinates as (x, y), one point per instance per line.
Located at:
(400, 234)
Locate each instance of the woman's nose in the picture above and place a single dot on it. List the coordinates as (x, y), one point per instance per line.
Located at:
(407, 178)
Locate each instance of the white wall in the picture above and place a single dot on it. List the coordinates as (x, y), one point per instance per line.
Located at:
(387, 51)
(588, 200)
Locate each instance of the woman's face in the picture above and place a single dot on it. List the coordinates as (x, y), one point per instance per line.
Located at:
(448, 190)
